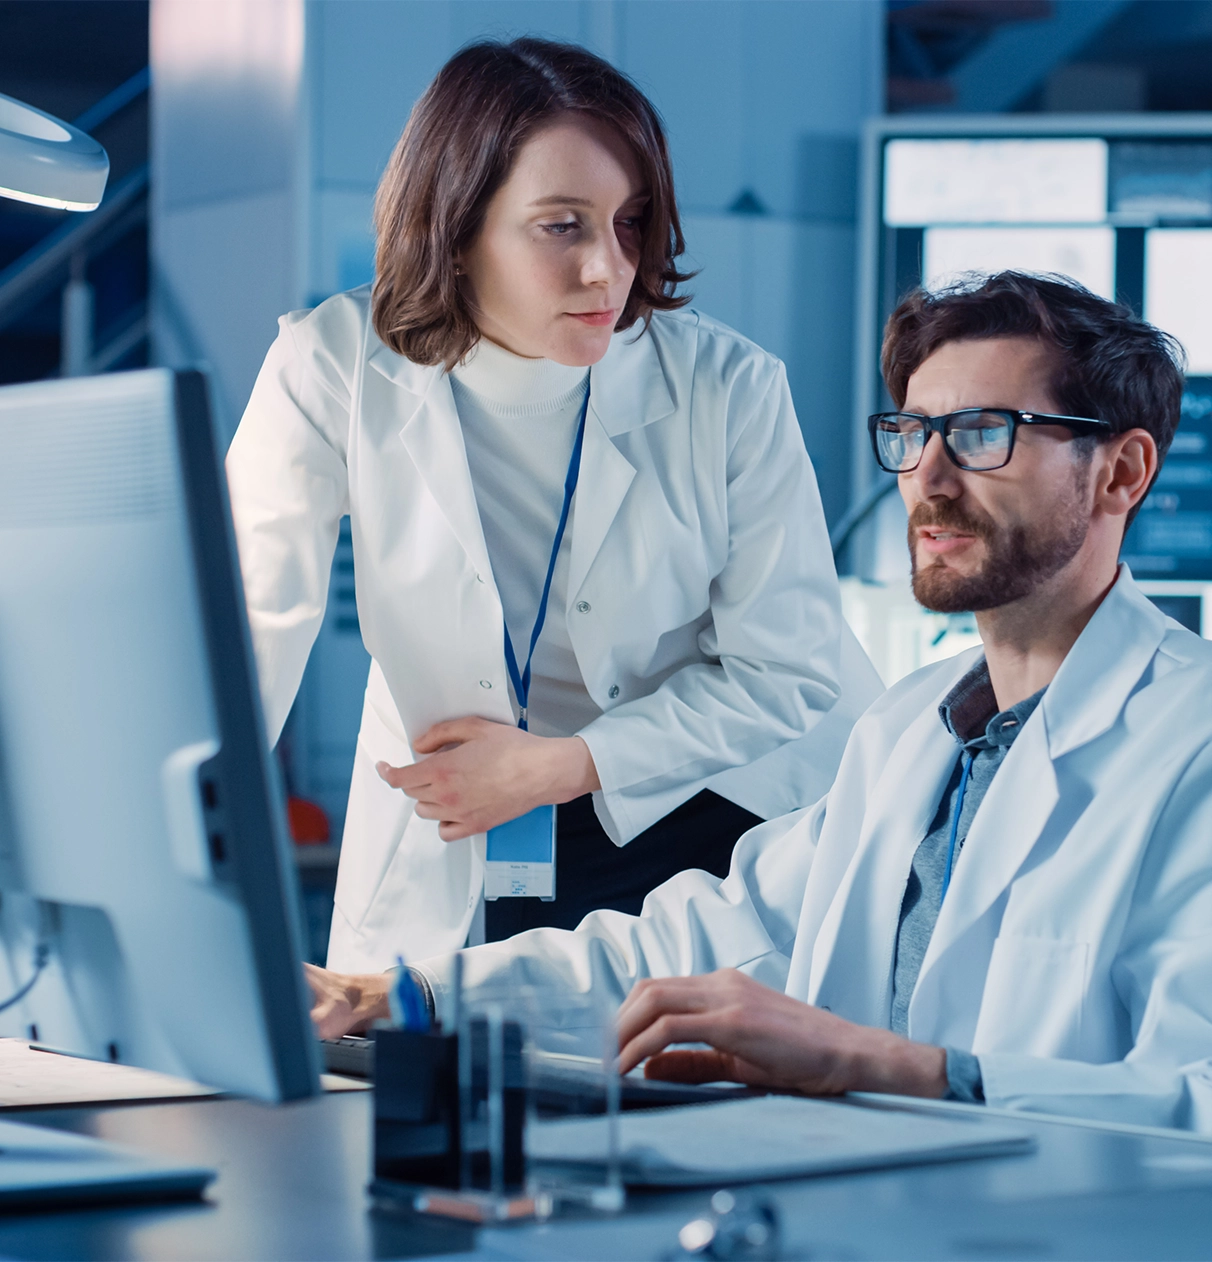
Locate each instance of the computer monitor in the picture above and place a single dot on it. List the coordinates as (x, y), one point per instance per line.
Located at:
(146, 880)
(1122, 203)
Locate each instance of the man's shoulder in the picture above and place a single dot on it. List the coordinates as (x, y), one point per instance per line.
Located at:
(1159, 673)
(1184, 649)
(1174, 693)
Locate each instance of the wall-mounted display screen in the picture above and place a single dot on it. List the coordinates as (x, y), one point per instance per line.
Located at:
(1178, 290)
(1160, 179)
(995, 181)
(1125, 209)
(1086, 254)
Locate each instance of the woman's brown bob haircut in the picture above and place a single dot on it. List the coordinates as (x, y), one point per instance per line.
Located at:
(457, 150)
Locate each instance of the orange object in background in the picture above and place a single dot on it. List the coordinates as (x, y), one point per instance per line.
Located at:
(308, 822)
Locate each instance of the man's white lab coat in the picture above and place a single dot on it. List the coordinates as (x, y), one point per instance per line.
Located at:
(1073, 953)
(702, 603)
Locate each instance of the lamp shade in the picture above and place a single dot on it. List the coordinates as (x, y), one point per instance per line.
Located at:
(48, 162)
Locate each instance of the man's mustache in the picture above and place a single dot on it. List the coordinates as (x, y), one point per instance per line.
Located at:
(949, 516)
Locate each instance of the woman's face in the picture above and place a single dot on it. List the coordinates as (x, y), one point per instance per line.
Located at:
(552, 267)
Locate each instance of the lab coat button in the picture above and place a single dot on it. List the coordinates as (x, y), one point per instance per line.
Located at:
(479, 578)
(485, 683)
(583, 606)
(614, 691)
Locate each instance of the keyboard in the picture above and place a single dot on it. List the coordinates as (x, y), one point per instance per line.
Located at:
(352, 1056)
(561, 1085)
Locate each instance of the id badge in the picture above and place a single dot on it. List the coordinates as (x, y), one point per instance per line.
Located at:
(520, 857)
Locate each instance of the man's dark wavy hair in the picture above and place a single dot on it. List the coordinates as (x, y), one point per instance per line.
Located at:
(1109, 363)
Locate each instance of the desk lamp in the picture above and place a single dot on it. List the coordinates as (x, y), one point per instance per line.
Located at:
(48, 162)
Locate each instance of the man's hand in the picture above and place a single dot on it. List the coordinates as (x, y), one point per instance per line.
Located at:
(764, 1038)
(480, 774)
(343, 1003)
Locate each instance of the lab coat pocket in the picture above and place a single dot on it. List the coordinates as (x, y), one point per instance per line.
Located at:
(1035, 991)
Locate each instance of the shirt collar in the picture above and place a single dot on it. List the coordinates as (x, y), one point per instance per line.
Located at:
(969, 711)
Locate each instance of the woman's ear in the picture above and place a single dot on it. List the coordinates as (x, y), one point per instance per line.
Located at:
(1130, 464)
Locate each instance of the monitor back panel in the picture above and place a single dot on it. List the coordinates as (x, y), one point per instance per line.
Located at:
(114, 844)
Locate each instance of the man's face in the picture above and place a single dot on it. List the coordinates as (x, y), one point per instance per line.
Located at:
(982, 540)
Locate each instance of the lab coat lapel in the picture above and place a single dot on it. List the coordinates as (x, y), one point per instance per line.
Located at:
(1009, 822)
(627, 389)
(433, 438)
(606, 476)
(1083, 701)
(852, 957)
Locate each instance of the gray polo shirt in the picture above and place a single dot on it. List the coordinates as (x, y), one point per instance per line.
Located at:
(984, 735)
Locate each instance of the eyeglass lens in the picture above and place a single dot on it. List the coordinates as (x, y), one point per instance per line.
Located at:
(979, 440)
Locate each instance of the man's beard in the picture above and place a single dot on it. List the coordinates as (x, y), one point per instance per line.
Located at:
(1018, 559)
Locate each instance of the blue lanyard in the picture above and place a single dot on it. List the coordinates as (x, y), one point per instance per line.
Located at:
(955, 820)
(521, 679)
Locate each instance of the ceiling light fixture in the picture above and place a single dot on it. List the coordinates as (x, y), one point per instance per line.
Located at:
(48, 162)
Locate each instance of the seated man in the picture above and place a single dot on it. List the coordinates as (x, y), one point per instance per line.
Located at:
(1007, 894)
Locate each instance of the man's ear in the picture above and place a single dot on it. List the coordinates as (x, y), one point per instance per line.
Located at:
(1129, 465)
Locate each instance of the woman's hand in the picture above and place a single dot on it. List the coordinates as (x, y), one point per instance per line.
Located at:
(342, 1002)
(480, 774)
(765, 1038)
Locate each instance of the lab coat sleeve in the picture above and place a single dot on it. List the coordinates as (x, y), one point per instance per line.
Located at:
(287, 474)
(772, 642)
(693, 923)
(1161, 974)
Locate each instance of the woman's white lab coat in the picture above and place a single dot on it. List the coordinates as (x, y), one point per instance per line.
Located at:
(702, 603)
(1073, 953)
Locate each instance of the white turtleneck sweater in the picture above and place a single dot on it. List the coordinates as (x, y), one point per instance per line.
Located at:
(519, 419)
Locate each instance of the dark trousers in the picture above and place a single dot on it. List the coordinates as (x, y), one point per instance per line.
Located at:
(592, 872)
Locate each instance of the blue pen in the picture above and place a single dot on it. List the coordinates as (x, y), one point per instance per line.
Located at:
(403, 1011)
(408, 1008)
(412, 1010)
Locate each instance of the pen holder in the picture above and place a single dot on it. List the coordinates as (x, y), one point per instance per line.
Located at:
(417, 1134)
(450, 1109)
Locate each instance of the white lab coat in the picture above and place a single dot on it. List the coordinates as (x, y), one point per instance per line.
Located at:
(1073, 953)
(702, 603)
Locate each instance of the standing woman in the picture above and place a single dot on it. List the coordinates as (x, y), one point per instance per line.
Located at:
(591, 564)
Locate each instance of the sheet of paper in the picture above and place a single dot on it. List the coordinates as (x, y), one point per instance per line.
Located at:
(33, 1078)
(30, 1078)
(339, 1082)
(769, 1137)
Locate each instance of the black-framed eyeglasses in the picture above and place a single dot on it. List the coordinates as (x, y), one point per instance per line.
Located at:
(975, 439)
